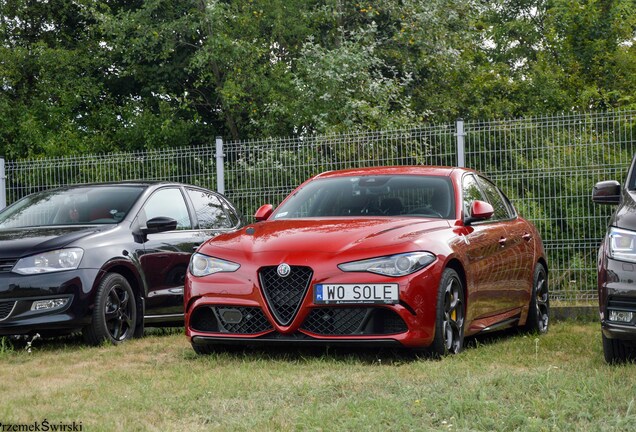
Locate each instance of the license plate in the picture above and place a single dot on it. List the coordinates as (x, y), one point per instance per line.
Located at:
(356, 293)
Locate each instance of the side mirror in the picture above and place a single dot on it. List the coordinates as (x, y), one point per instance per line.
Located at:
(264, 212)
(160, 224)
(607, 192)
(479, 210)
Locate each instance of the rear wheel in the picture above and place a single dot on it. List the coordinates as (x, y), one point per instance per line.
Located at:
(449, 323)
(114, 314)
(539, 308)
(617, 351)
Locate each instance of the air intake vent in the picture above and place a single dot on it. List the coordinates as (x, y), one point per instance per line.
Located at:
(285, 294)
(5, 309)
(6, 265)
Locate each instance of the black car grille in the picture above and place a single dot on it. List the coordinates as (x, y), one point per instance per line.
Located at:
(353, 321)
(6, 265)
(285, 294)
(229, 319)
(5, 309)
(627, 304)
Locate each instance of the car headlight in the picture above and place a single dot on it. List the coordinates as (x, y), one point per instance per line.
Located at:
(622, 244)
(394, 265)
(203, 265)
(52, 261)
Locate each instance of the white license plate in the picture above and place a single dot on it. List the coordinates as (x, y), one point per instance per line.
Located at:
(356, 293)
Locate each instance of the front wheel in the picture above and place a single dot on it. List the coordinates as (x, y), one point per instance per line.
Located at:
(115, 312)
(539, 308)
(616, 351)
(449, 322)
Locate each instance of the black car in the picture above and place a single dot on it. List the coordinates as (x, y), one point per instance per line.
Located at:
(617, 269)
(103, 258)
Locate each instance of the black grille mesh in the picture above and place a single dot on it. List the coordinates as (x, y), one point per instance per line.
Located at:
(5, 308)
(285, 294)
(210, 319)
(353, 321)
(253, 320)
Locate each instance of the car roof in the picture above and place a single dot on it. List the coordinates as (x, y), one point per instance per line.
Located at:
(443, 171)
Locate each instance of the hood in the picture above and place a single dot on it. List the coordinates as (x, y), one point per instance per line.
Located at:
(16, 243)
(625, 216)
(325, 235)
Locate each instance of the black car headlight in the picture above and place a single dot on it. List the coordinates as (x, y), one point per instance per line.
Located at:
(393, 265)
(203, 265)
(47, 262)
(622, 244)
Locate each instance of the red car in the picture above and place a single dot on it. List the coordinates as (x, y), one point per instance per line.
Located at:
(416, 257)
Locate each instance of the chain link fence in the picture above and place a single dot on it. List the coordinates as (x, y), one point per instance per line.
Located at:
(546, 165)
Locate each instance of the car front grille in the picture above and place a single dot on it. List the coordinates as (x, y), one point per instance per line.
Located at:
(229, 319)
(285, 294)
(5, 309)
(6, 265)
(353, 321)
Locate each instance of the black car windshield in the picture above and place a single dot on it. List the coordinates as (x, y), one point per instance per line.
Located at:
(395, 195)
(72, 206)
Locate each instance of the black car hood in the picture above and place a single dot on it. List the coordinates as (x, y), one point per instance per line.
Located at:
(17, 243)
(625, 216)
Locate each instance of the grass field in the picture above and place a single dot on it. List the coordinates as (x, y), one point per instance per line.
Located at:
(557, 382)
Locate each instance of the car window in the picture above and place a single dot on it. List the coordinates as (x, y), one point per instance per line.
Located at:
(168, 202)
(471, 192)
(209, 210)
(73, 205)
(383, 195)
(503, 209)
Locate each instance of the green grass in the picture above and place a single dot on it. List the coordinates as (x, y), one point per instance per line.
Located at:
(557, 382)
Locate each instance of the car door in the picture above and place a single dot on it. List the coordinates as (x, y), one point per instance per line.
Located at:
(486, 253)
(516, 281)
(166, 255)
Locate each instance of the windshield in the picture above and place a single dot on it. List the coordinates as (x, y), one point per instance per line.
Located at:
(395, 195)
(74, 206)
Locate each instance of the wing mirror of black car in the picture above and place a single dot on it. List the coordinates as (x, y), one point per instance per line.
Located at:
(264, 212)
(607, 192)
(479, 211)
(160, 224)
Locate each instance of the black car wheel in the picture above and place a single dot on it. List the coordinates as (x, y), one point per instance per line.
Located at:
(449, 324)
(539, 308)
(115, 312)
(616, 351)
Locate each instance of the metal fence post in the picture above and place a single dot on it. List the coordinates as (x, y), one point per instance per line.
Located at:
(3, 185)
(461, 156)
(220, 173)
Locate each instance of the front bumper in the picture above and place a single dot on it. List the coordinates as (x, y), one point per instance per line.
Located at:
(617, 296)
(18, 294)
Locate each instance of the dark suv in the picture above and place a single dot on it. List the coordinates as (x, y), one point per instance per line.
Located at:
(617, 269)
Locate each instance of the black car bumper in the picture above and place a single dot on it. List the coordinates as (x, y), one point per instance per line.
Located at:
(617, 296)
(46, 303)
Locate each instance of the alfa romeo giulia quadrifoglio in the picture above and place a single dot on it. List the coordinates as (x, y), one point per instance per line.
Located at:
(103, 258)
(416, 257)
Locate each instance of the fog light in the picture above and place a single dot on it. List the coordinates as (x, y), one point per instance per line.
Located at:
(49, 304)
(621, 316)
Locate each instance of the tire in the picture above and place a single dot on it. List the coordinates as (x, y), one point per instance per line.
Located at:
(449, 315)
(115, 312)
(616, 351)
(539, 308)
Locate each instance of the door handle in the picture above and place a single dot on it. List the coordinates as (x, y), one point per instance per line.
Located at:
(527, 237)
(502, 241)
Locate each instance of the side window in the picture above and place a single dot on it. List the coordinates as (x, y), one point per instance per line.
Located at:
(501, 206)
(170, 203)
(209, 210)
(471, 192)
